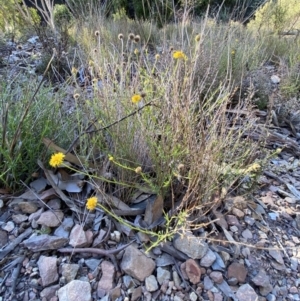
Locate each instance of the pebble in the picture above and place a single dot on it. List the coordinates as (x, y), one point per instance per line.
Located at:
(151, 283)
(8, 227)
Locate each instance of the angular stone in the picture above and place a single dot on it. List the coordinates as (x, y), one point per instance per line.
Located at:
(193, 271)
(78, 238)
(51, 218)
(44, 242)
(92, 263)
(48, 270)
(76, 290)
(162, 275)
(151, 284)
(208, 284)
(19, 218)
(39, 185)
(136, 293)
(263, 281)
(106, 282)
(208, 259)
(232, 220)
(69, 271)
(49, 291)
(190, 245)
(64, 229)
(3, 238)
(246, 293)
(247, 234)
(277, 256)
(217, 277)
(137, 264)
(238, 271)
(28, 207)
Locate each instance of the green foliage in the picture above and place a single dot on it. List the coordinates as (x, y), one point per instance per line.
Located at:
(277, 16)
(62, 15)
(25, 121)
(14, 18)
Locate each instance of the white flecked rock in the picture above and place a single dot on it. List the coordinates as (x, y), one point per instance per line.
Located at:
(51, 218)
(192, 246)
(208, 259)
(78, 237)
(69, 271)
(106, 282)
(162, 274)
(151, 284)
(246, 293)
(76, 290)
(136, 264)
(48, 270)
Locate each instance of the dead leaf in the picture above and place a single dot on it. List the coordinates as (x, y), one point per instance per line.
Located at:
(73, 186)
(112, 201)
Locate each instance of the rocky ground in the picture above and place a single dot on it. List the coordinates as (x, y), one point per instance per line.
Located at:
(51, 250)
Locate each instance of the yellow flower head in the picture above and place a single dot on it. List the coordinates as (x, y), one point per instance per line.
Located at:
(157, 56)
(179, 55)
(197, 38)
(110, 158)
(136, 98)
(136, 51)
(233, 52)
(56, 159)
(138, 170)
(91, 203)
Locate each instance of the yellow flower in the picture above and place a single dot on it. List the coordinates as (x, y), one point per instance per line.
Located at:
(56, 159)
(197, 38)
(278, 151)
(138, 170)
(136, 98)
(157, 56)
(179, 55)
(110, 158)
(91, 203)
(233, 52)
(136, 51)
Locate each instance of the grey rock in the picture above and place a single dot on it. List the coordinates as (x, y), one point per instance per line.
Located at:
(208, 259)
(246, 293)
(247, 234)
(162, 274)
(106, 282)
(249, 220)
(151, 284)
(190, 245)
(19, 218)
(49, 291)
(8, 227)
(193, 296)
(137, 264)
(164, 260)
(44, 242)
(136, 293)
(39, 185)
(51, 218)
(92, 263)
(54, 204)
(271, 297)
(64, 229)
(128, 281)
(76, 290)
(217, 277)
(277, 256)
(48, 269)
(218, 264)
(226, 290)
(35, 215)
(78, 237)
(69, 271)
(208, 284)
(176, 279)
(263, 281)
